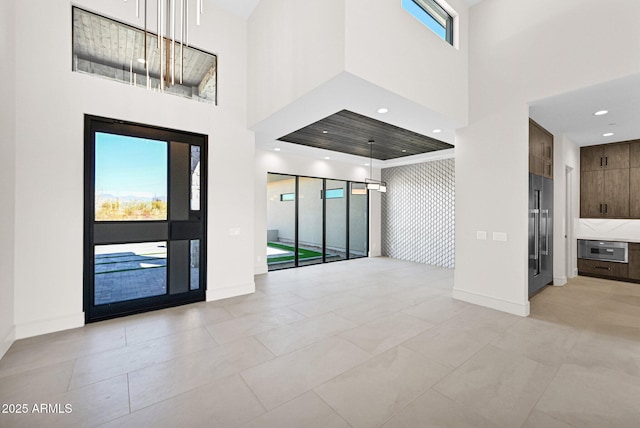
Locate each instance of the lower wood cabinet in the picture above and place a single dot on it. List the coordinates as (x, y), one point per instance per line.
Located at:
(634, 261)
(600, 268)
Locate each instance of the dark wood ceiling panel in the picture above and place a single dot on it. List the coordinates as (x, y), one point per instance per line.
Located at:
(349, 132)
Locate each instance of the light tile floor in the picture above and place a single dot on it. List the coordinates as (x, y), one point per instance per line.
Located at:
(366, 343)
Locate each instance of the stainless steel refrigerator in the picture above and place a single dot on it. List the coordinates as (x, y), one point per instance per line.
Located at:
(540, 232)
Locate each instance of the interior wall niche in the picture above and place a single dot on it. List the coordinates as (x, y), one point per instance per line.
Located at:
(112, 50)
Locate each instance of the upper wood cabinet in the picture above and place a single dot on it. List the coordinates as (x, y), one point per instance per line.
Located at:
(609, 181)
(634, 154)
(608, 156)
(540, 150)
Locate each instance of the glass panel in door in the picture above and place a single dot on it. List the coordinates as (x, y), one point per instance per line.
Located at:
(358, 223)
(144, 221)
(310, 221)
(336, 194)
(281, 221)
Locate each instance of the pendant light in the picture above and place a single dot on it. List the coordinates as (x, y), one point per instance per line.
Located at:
(168, 13)
(373, 184)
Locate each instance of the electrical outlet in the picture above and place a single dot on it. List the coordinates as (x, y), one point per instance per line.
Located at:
(500, 236)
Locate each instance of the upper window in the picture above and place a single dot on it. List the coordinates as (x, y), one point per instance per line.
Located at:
(431, 14)
(335, 193)
(116, 51)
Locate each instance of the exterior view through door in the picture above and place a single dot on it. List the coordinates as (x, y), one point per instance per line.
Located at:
(144, 216)
(314, 220)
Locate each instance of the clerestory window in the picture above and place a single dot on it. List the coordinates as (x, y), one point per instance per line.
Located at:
(431, 14)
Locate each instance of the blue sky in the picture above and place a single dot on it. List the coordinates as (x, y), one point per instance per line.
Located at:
(129, 166)
(424, 17)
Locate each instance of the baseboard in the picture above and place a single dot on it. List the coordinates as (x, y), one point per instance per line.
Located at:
(7, 341)
(492, 302)
(260, 269)
(559, 281)
(232, 291)
(36, 328)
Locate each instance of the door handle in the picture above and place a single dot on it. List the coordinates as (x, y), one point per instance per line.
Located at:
(600, 161)
(606, 160)
(545, 213)
(602, 267)
(605, 208)
(536, 234)
(600, 208)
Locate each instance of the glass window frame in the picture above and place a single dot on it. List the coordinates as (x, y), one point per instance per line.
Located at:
(436, 12)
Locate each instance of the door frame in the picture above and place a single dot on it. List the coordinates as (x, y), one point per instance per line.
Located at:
(93, 124)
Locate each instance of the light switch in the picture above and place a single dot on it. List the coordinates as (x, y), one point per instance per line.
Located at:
(500, 236)
(481, 235)
(234, 231)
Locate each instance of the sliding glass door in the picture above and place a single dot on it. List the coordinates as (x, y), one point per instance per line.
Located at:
(315, 220)
(309, 221)
(358, 225)
(335, 197)
(281, 220)
(145, 211)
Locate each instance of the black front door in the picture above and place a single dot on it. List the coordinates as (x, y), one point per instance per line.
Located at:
(145, 218)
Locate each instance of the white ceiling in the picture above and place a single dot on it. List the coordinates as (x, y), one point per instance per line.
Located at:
(241, 8)
(244, 8)
(572, 113)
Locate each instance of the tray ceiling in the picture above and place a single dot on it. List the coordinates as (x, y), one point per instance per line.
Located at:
(349, 132)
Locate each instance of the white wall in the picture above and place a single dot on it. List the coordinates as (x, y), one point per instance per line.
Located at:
(388, 47)
(49, 156)
(517, 55)
(294, 47)
(7, 174)
(281, 163)
(309, 60)
(566, 170)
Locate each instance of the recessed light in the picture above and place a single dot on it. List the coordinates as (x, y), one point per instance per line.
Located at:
(327, 157)
(325, 131)
(601, 112)
(608, 134)
(437, 131)
(366, 164)
(383, 110)
(404, 151)
(277, 149)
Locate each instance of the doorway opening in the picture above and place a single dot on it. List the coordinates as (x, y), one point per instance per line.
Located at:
(144, 218)
(568, 224)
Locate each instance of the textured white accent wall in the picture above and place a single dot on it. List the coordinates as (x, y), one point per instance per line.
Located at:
(418, 213)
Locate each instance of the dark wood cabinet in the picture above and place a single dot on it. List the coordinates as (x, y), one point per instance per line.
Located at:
(634, 192)
(603, 269)
(540, 150)
(634, 261)
(607, 156)
(607, 182)
(616, 193)
(634, 154)
(591, 193)
(591, 158)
